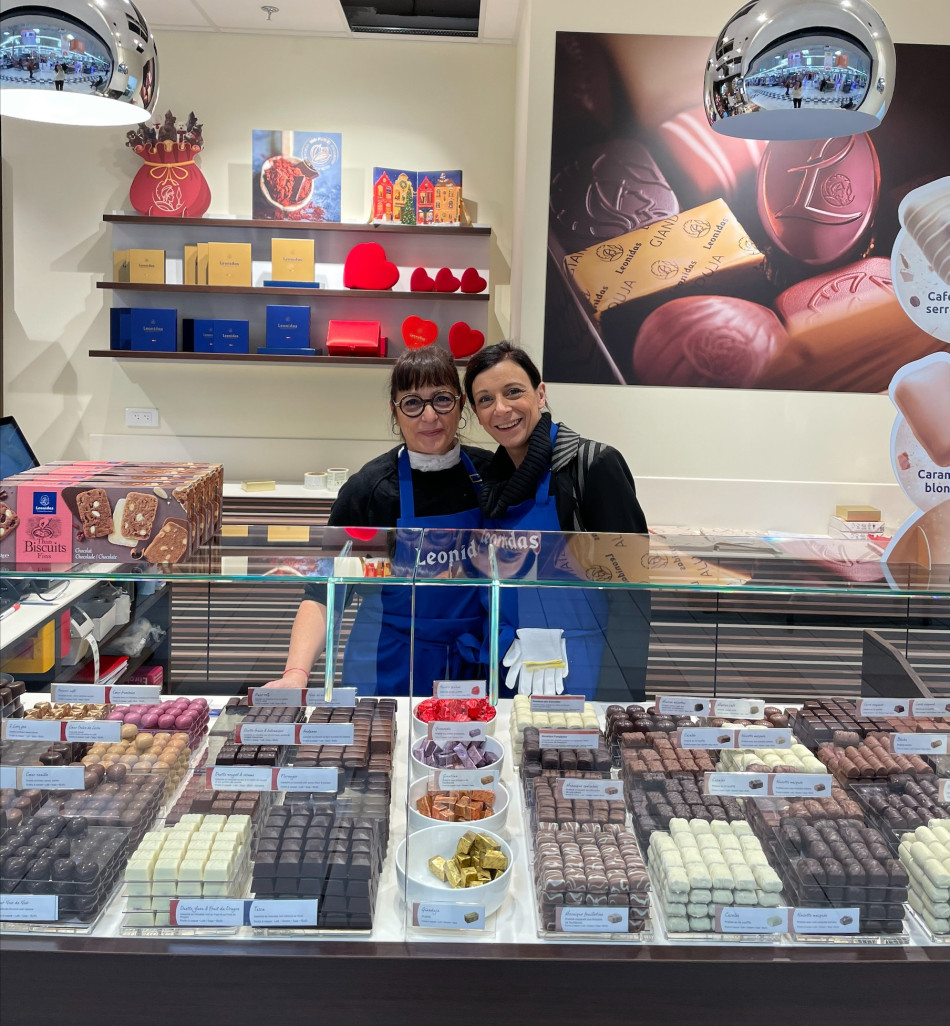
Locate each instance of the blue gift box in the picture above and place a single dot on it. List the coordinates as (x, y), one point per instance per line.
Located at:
(231, 336)
(197, 334)
(120, 328)
(288, 327)
(154, 330)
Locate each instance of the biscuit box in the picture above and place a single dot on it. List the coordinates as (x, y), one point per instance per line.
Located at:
(118, 512)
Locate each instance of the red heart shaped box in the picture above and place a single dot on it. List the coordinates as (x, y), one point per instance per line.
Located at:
(445, 281)
(472, 281)
(420, 281)
(366, 267)
(463, 340)
(418, 333)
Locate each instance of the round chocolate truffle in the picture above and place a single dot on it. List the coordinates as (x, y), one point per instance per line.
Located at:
(711, 341)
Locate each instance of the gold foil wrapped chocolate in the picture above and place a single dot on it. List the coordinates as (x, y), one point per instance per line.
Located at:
(478, 860)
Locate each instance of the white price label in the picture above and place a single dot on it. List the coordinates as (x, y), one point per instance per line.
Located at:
(442, 731)
(206, 912)
(459, 689)
(52, 778)
(29, 908)
(682, 705)
(943, 790)
(438, 915)
(740, 919)
(290, 912)
(737, 784)
(589, 790)
(706, 737)
(239, 778)
(826, 920)
(737, 708)
(325, 734)
(607, 919)
(32, 730)
(930, 706)
(266, 733)
(763, 737)
(94, 730)
(463, 779)
(294, 697)
(8, 778)
(800, 785)
(569, 738)
(919, 744)
(343, 698)
(557, 703)
(883, 707)
(308, 778)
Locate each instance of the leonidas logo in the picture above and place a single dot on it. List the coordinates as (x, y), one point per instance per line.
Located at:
(610, 251)
(44, 503)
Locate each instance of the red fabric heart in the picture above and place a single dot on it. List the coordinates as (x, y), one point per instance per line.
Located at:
(472, 281)
(366, 267)
(463, 340)
(420, 281)
(417, 333)
(445, 281)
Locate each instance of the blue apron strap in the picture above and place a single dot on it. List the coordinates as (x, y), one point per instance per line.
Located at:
(473, 474)
(544, 485)
(407, 502)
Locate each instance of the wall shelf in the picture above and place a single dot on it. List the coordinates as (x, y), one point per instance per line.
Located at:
(322, 361)
(251, 290)
(298, 226)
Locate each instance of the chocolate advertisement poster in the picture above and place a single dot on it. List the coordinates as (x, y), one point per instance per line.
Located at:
(416, 197)
(680, 257)
(296, 175)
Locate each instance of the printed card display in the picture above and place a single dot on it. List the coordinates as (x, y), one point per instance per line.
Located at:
(416, 197)
(589, 790)
(733, 919)
(61, 730)
(463, 779)
(918, 744)
(268, 778)
(286, 913)
(727, 708)
(609, 919)
(884, 707)
(763, 785)
(29, 908)
(459, 689)
(299, 698)
(443, 915)
(51, 778)
(209, 912)
(296, 175)
(557, 703)
(826, 920)
(442, 731)
(569, 738)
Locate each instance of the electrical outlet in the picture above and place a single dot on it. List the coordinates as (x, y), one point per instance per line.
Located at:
(141, 416)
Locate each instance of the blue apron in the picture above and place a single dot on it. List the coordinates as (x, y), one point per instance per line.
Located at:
(580, 612)
(377, 656)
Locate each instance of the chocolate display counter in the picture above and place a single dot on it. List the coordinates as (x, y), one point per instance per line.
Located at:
(584, 853)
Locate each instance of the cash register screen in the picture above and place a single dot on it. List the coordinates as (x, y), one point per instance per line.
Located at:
(15, 452)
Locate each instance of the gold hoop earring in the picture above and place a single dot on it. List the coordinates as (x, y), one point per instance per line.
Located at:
(462, 422)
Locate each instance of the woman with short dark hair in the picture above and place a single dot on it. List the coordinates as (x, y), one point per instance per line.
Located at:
(546, 477)
(429, 481)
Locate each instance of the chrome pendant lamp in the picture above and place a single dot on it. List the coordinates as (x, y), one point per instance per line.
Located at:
(77, 62)
(800, 69)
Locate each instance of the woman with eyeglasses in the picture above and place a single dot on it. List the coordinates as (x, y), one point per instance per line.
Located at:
(546, 477)
(430, 481)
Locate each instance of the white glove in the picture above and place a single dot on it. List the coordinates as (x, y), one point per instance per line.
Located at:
(538, 661)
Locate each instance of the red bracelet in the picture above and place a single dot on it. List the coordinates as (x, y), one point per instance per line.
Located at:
(290, 669)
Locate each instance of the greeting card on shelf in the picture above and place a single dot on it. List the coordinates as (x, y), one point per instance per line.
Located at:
(416, 197)
(296, 175)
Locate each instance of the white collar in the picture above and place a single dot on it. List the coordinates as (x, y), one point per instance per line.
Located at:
(438, 461)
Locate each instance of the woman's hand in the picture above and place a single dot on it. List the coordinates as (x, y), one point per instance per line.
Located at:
(295, 677)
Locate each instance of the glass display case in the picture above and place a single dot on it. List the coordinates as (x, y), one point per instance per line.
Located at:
(634, 755)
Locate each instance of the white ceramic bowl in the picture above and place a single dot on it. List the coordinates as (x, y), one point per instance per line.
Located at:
(420, 727)
(420, 769)
(424, 886)
(493, 822)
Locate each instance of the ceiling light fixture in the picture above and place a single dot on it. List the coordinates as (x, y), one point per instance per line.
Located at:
(270, 10)
(76, 63)
(846, 93)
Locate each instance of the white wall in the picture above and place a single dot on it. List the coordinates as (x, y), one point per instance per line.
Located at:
(397, 102)
(707, 456)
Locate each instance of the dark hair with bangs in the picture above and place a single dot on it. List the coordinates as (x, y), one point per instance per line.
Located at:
(491, 356)
(430, 367)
